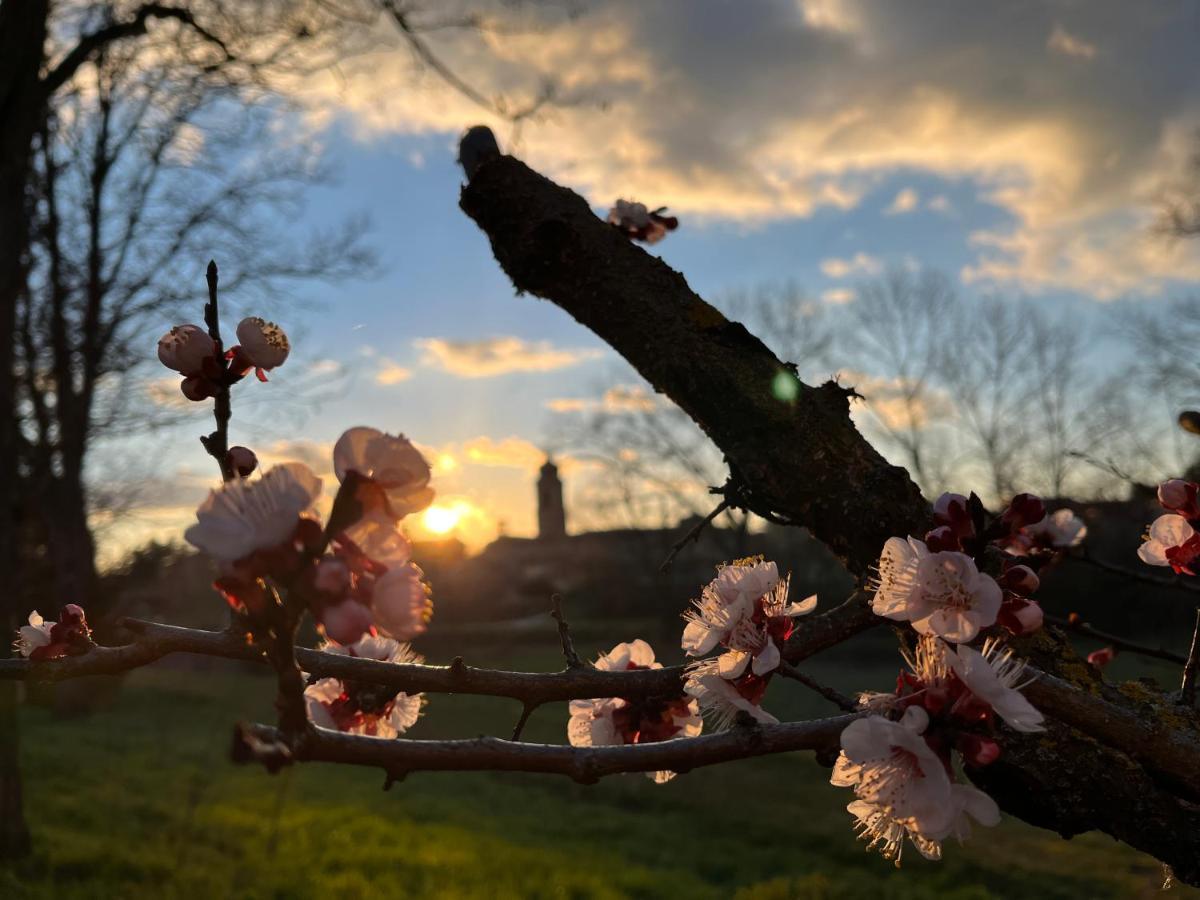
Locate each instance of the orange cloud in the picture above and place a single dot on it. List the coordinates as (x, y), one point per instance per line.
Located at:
(488, 357)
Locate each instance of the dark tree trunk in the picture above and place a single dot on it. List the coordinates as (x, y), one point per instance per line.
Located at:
(22, 40)
(71, 546)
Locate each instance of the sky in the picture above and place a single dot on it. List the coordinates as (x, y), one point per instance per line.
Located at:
(1016, 146)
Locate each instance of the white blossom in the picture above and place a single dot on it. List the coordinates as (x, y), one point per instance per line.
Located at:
(185, 348)
(1061, 529)
(1166, 533)
(611, 721)
(34, 635)
(365, 709)
(263, 343)
(245, 514)
(994, 676)
(390, 461)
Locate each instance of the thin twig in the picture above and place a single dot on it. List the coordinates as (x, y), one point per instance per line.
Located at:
(583, 764)
(1080, 627)
(217, 443)
(693, 534)
(1187, 691)
(837, 698)
(564, 634)
(153, 640)
(526, 712)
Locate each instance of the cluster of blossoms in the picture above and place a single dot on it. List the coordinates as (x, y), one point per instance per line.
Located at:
(617, 720)
(192, 352)
(745, 612)
(355, 578)
(641, 224)
(936, 584)
(360, 707)
(354, 575)
(1172, 539)
(68, 636)
(900, 760)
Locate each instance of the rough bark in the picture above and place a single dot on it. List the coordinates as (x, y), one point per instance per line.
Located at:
(802, 460)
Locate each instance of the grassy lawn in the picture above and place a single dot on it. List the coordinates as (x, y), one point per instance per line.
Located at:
(138, 800)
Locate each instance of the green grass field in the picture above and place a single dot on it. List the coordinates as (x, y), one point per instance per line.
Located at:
(139, 800)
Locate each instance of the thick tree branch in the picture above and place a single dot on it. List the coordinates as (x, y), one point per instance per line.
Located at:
(793, 446)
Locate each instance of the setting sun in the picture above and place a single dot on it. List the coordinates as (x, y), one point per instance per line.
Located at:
(441, 519)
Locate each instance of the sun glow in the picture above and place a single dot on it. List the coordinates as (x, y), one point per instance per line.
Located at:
(441, 519)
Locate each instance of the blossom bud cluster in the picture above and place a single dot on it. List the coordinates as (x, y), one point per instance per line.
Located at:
(610, 721)
(41, 640)
(192, 352)
(744, 612)
(937, 586)
(1172, 539)
(641, 224)
(903, 772)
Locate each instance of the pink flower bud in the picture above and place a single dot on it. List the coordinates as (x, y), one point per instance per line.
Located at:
(1020, 615)
(332, 576)
(197, 388)
(401, 602)
(978, 751)
(942, 538)
(1020, 580)
(186, 348)
(263, 343)
(242, 460)
(1179, 496)
(1023, 510)
(952, 510)
(1102, 657)
(345, 622)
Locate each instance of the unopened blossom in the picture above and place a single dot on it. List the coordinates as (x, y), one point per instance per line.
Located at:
(1102, 657)
(262, 346)
(1180, 496)
(1060, 530)
(245, 515)
(952, 511)
(378, 538)
(188, 350)
(345, 621)
(400, 602)
(42, 640)
(1024, 511)
(389, 461)
(611, 721)
(1172, 542)
(242, 460)
(940, 593)
(723, 699)
(744, 609)
(996, 677)
(363, 707)
(640, 223)
(1020, 615)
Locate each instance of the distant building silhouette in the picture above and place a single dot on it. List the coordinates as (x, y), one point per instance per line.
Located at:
(552, 516)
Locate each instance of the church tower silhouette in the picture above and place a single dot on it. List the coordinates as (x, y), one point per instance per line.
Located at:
(552, 516)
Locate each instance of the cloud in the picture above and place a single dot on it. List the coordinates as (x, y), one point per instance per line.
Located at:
(905, 201)
(325, 367)
(1060, 41)
(838, 296)
(391, 373)
(621, 398)
(859, 263)
(498, 356)
(899, 404)
(818, 101)
(940, 203)
(509, 452)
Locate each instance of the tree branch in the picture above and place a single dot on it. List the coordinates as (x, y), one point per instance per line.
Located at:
(1077, 625)
(586, 765)
(1187, 690)
(93, 43)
